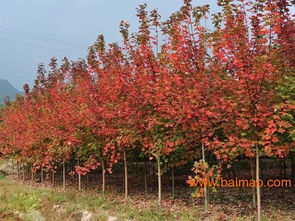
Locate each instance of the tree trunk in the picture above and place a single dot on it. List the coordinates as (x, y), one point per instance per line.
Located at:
(53, 178)
(63, 175)
(159, 183)
(79, 178)
(24, 171)
(125, 175)
(253, 188)
(41, 174)
(103, 177)
(173, 182)
(87, 179)
(258, 187)
(136, 168)
(261, 172)
(284, 164)
(205, 187)
(17, 171)
(293, 166)
(79, 182)
(32, 175)
(145, 179)
(13, 169)
(234, 171)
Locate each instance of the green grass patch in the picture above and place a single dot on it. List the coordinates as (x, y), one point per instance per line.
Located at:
(26, 202)
(20, 201)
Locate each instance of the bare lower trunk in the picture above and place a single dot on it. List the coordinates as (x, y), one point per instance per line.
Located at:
(205, 188)
(13, 168)
(17, 171)
(103, 177)
(23, 170)
(284, 164)
(63, 175)
(253, 188)
(79, 178)
(159, 183)
(258, 187)
(87, 179)
(79, 182)
(32, 175)
(53, 178)
(125, 175)
(293, 166)
(41, 174)
(137, 168)
(173, 182)
(145, 179)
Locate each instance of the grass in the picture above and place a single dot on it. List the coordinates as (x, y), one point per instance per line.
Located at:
(23, 202)
(19, 201)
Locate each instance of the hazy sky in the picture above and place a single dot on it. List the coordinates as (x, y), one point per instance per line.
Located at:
(33, 31)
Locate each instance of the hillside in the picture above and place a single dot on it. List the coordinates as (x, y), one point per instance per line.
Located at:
(6, 89)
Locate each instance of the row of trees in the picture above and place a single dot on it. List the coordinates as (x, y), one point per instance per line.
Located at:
(194, 86)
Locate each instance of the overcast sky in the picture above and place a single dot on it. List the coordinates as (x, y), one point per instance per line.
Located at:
(33, 31)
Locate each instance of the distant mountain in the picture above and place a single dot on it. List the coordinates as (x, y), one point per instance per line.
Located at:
(6, 89)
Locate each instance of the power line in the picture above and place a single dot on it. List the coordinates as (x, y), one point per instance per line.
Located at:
(41, 38)
(39, 46)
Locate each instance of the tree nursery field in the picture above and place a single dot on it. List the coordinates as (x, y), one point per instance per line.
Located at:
(191, 118)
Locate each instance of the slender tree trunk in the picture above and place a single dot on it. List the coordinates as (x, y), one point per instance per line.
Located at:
(41, 174)
(125, 175)
(281, 170)
(234, 171)
(32, 175)
(79, 182)
(136, 168)
(284, 164)
(72, 165)
(17, 171)
(103, 177)
(87, 179)
(293, 167)
(145, 178)
(253, 188)
(79, 177)
(23, 170)
(159, 183)
(205, 188)
(63, 175)
(53, 178)
(258, 187)
(13, 168)
(172, 182)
